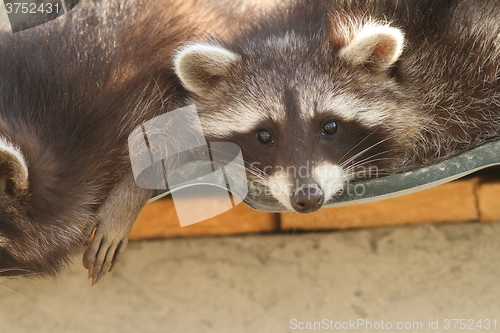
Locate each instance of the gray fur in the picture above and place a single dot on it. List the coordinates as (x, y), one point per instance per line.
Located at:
(72, 90)
(399, 105)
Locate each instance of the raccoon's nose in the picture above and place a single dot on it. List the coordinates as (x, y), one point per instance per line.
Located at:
(307, 198)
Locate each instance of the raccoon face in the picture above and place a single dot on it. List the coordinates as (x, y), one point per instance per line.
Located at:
(308, 116)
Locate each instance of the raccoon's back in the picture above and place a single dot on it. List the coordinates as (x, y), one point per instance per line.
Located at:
(451, 63)
(71, 91)
(449, 68)
(78, 85)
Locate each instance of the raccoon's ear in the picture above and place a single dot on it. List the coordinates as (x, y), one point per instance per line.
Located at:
(13, 169)
(376, 47)
(199, 66)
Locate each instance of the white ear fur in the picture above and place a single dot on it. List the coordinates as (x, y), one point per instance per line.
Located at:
(198, 64)
(377, 47)
(13, 165)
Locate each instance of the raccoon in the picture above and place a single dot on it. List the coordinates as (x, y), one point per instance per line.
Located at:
(320, 91)
(72, 90)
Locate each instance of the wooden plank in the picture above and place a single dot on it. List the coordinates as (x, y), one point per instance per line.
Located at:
(488, 199)
(459, 201)
(451, 202)
(159, 219)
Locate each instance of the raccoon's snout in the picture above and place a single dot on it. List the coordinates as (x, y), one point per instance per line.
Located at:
(307, 198)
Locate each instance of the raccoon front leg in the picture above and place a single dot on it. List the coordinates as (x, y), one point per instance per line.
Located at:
(116, 217)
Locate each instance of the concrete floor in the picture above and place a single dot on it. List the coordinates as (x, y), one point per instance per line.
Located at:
(272, 283)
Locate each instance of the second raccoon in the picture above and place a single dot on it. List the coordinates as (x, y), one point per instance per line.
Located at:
(72, 90)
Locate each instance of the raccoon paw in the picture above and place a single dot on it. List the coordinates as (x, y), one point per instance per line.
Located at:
(115, 219)
(104, 251)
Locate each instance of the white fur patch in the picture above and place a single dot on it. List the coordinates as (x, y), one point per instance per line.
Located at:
(220, 125)
(280, 186)
(15, 160)
(330, 177)
(379, 45)
(244, 117)
(350, 107)
(194, 62)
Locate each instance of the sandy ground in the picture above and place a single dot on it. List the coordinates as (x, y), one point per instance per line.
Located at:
(273, 283)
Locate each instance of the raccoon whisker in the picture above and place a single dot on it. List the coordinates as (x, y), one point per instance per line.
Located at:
(14, 269)
(13, 291)
(355, 146)
(372, 156)
(368, 160)
(364, 151)
(359, 166)
(255, 171)
(258, 175)
(303, 142)
(261, 176)
(251, 170)
(377, 171)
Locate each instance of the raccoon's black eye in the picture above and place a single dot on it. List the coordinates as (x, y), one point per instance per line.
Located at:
(264, 137)
(330, 128)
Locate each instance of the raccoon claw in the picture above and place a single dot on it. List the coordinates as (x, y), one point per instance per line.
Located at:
(89, 230)
(103, 253)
